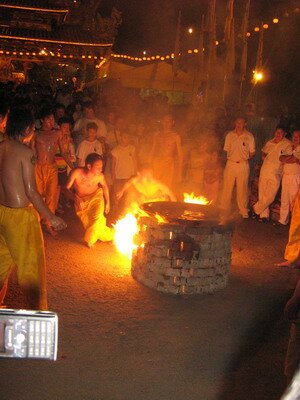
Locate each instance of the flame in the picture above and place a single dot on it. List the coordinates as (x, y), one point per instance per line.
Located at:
(125, 230)
(191, 198)
(160, 219)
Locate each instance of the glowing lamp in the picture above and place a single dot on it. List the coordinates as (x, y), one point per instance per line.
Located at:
(190, 30)
(256, 29)
(275, 20)
(265, 26)
(257, 76)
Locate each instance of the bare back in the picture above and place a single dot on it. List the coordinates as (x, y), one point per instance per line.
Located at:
(13, 158)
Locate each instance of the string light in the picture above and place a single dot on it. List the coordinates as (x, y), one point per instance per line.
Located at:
(44, 52)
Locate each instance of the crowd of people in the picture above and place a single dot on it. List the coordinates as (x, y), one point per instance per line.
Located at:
(108, 157)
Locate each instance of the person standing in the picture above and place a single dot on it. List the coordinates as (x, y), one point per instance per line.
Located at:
(124, 163)
(166, 153)
(21, 241)
(292, 250)
(89, 145)
(290, 179)
(240, 147)
(270, 173)
(46, 142)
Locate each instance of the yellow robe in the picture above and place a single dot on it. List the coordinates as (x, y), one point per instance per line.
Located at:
(91, 214)
(292, 250)
(21, 244)
(46, 177)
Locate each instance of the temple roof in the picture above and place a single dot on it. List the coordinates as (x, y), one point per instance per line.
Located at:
(62, 35)
(36, 5)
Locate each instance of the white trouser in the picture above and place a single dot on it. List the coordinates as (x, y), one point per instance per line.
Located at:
(289, 188)
(235, 173)
(268, 185)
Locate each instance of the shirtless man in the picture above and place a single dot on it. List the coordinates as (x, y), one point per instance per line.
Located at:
(143, 188)
(21, 241)
(46, 143)
(91, 199)
(166, 148)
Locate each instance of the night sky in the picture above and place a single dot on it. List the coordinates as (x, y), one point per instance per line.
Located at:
(151, 25)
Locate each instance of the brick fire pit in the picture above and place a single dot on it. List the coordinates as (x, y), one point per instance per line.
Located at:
(190, 253)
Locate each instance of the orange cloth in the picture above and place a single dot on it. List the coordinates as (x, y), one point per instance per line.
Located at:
(21, 244)
(91, 213)
(292, 250)
(163, 170)
(46, 182)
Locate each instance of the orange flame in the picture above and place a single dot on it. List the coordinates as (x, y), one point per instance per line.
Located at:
(160, 219)
(191, 198)
(125, 230)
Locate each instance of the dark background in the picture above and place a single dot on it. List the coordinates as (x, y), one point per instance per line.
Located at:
(151, 25)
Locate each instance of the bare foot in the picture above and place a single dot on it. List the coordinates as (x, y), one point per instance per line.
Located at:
(51, 231)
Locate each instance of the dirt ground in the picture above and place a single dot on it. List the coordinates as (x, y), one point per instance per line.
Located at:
(119, 340)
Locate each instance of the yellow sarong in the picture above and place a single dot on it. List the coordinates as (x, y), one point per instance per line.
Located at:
(21, 244)
(46, 177)
(91, 214)
(292, 250)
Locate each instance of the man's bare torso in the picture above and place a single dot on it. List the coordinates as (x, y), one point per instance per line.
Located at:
(165, 145)
(12, 189)
(46, 145)
(84, 184)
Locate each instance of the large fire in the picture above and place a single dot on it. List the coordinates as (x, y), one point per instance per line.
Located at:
(191, 198)
(125, 230)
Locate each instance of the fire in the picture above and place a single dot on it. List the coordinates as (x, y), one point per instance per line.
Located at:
(160, 219)
(125, 230)
(191, 198)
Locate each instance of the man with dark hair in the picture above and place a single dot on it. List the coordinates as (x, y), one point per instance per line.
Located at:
(240, 147)
(80, 127)
(89, 145)
(91, 199)
(46, 143)
(21, 241)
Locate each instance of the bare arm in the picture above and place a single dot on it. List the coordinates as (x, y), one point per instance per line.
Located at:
(113, 168)
(180, 157)
(125, 187)
(105, 194)
(289, 159)
(63, 147)
(33, 195)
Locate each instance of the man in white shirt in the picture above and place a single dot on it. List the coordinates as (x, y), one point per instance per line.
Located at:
(240, 147)
(80, 127)
(270, 173)
(89, 145)
(290, 178)
(124, 165)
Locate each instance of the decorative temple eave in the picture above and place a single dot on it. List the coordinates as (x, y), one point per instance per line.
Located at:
(34, 5)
